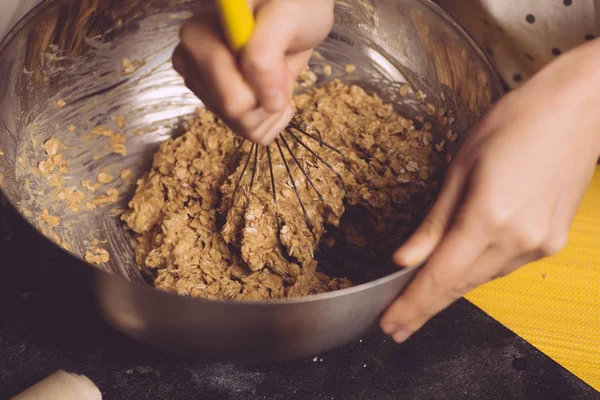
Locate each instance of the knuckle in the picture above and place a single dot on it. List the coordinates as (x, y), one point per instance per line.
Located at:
(531, 238)
(329, 18)
(439, 280)
(257, 63)
(445, 283)
(188, 32)
(233, 107)
(178, 63)
(455, 172)
(554, 244)
(249, 133)
(497, 217)
(460, 289)
(432, 225)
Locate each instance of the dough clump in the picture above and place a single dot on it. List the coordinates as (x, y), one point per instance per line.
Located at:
(211, 225)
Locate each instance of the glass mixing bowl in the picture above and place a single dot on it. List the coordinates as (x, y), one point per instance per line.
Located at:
(71, 65)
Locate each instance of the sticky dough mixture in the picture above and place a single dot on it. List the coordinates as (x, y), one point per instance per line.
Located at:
(200, 236)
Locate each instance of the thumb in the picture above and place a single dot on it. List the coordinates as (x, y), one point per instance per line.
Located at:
(283, 28)
(431, 231)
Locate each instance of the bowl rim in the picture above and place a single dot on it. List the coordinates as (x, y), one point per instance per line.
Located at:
(495, 77)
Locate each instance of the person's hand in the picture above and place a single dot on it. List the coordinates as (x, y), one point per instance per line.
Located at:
(511, 193)
(252, 92)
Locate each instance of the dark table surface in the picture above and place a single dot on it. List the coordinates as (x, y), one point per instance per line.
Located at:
(48, 322)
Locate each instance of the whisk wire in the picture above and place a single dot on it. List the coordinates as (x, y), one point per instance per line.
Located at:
(233, 156)
(319, 140)
(254, 170)
(237, 184)
(297, 124)
(293, 183)
(273, 189)
(287, 146)
(318, 157)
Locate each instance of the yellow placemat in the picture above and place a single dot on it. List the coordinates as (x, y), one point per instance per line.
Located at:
(555, 303)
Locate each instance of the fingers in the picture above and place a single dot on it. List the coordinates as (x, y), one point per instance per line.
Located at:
(276, 36)
(432, 229)
(441, 281)
(253, 100)
(215, 66)
(211, 71)
(270, 128)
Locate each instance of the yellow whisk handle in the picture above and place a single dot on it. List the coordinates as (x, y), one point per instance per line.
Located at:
(237, 20)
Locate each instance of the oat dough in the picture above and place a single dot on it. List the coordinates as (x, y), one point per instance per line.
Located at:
(206, 217)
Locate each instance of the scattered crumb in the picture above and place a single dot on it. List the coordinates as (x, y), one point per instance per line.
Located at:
(62, 243)
(420, 96)
(51, 220)
(315, 359)
(51, 163)
(430, 109)
(74, 198)
(101, 131)
(139, 132)
(72, 128)
(129, 67)
(404, 89)
(55, 180)
(350, 68)
(89, 186)
(96, 254)
(109, 197)
(28, 213)
(104, 177)
(327, 70)
(117, 212)
(452, 136)
(1, 153)
(52, 146)
(120, 120)
(117, 144)
(126, 174)
(307, 78)
(441, 113)
(440, 146)
(412, 166)
(60, 104)
(117, 140)
(365, 366)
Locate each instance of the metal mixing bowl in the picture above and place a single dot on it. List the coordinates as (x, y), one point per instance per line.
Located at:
(72, 50)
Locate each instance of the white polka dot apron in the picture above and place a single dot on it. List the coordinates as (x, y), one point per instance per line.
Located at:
(521, 36)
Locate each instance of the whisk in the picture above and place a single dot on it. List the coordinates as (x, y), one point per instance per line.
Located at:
(295, 131)
(238, 23)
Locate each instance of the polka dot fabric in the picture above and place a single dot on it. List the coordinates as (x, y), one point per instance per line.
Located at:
(521, 36)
